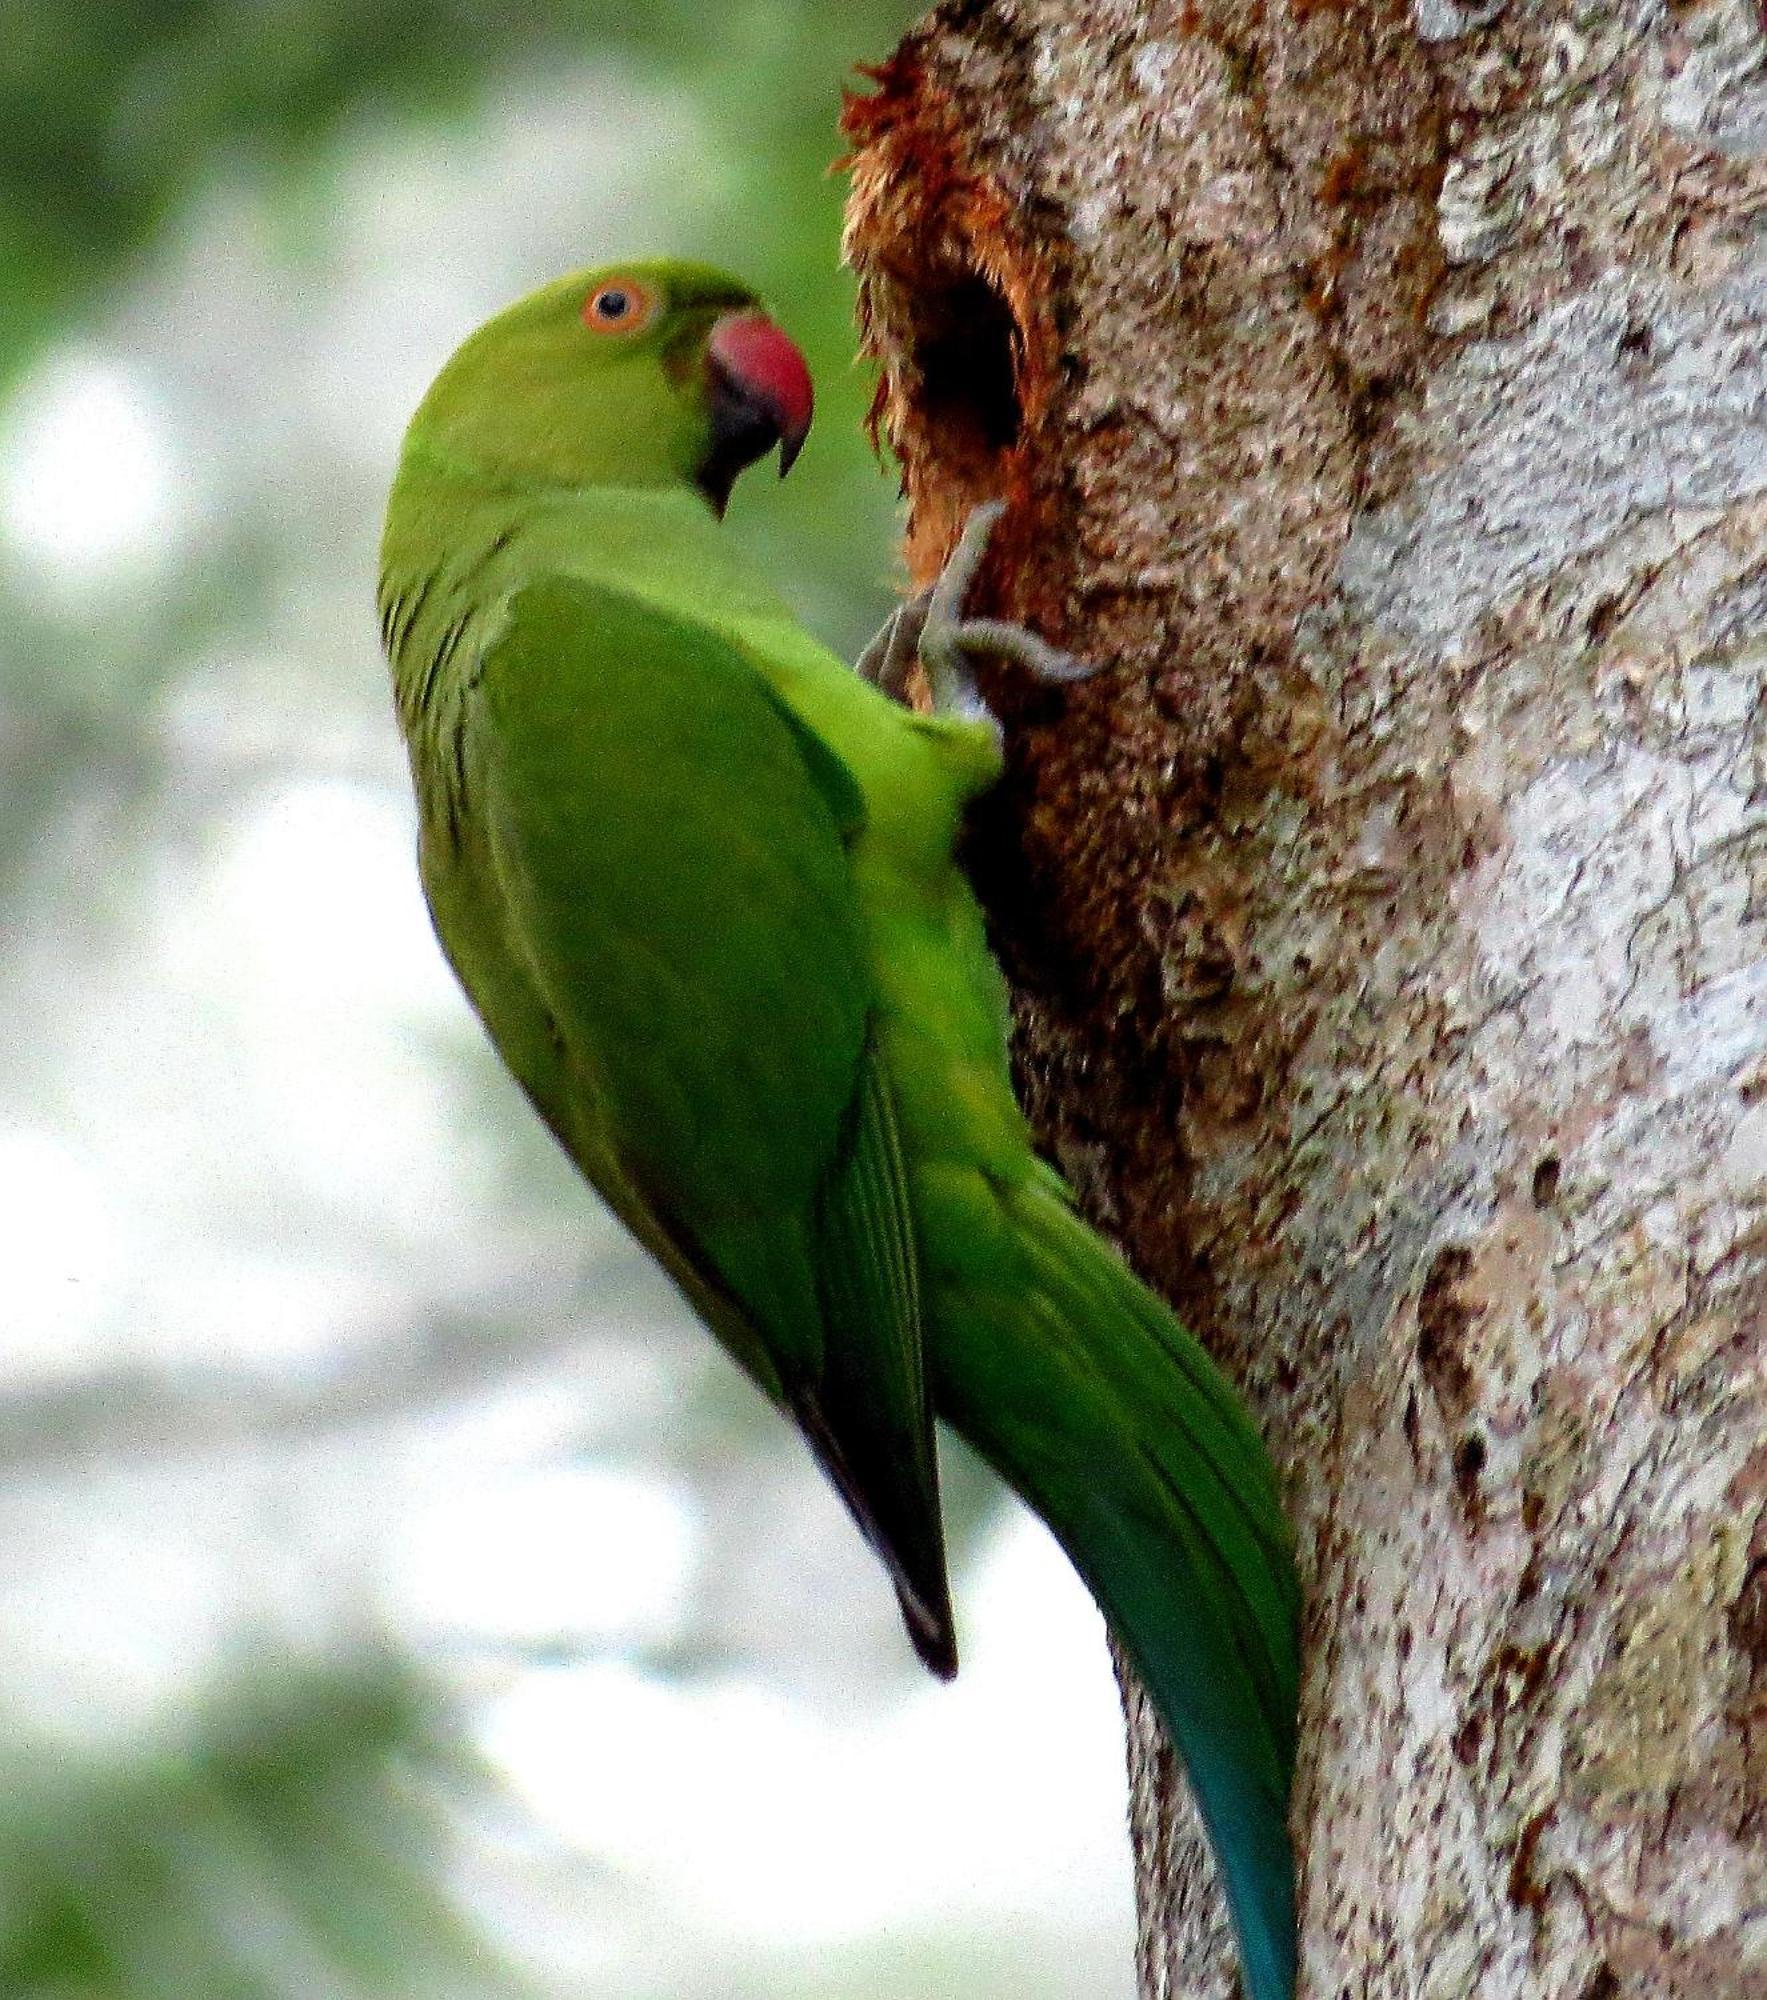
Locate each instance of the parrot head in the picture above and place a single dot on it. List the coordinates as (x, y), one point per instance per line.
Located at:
(634, 375)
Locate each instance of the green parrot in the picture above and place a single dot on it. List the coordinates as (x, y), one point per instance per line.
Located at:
(698, 878)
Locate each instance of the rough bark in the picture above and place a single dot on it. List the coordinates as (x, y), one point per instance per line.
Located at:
(1383, 400)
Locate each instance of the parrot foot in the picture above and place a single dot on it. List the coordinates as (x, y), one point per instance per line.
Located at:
(889, 659)
(933, 627)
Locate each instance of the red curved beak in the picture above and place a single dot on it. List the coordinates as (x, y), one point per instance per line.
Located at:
(760, 390)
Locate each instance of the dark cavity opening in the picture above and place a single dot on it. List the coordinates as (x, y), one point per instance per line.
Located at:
(967, 354)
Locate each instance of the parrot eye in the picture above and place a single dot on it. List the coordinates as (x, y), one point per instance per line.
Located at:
(622, 305)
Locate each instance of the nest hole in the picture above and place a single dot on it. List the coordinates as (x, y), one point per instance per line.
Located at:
(966, 352)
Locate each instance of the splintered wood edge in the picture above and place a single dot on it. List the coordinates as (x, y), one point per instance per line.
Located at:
(955, 308)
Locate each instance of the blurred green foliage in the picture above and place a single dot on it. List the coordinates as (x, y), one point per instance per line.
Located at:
(111, 114)
(287, 1853)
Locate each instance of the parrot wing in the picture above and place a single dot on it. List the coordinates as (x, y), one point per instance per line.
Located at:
(671, 844)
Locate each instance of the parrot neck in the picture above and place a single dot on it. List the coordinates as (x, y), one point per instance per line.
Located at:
(440, 560)
(458, 546)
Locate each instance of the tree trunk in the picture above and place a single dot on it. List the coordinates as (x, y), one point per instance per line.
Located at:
(1383, 402)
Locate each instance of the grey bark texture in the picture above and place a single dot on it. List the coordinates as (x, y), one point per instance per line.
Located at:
(1382, 397)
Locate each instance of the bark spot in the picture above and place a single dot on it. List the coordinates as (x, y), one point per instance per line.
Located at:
(1345, 176)
(1469, 1466)
(1748, 1621)
(1637, 344)
(1466, 1740)
(1604, 614)
(1516, 1680)
(1526, 1890)
(1445, 1321)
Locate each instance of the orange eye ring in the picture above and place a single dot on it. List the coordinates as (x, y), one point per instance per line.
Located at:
(619, 306)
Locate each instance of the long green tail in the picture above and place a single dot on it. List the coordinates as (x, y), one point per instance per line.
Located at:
(1094, 1403)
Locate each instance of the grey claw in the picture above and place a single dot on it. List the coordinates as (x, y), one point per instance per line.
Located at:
(889, 659)
(947, 637)
(959, 573)
(869, 665)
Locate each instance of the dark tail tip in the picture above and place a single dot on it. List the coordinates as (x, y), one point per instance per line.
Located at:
(932, 1634)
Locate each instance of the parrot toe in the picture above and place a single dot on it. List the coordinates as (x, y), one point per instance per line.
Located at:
(888, 661)
(948, 641)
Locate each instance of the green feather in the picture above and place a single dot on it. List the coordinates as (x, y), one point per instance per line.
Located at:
(699, 882)
(1065, 1371)
(712, 1010)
